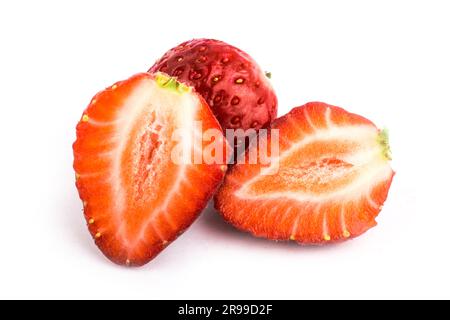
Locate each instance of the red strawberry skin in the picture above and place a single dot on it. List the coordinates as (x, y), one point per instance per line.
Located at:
(136, 199)
(232, 83)
(333, 179)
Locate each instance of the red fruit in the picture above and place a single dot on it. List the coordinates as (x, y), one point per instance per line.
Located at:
(136, 199)
(333, 178)
(232, 83)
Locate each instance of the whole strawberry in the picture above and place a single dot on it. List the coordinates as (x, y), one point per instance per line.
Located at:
(237, 90)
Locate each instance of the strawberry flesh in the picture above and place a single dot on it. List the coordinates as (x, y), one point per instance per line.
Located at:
(332, 180)
(137, 200)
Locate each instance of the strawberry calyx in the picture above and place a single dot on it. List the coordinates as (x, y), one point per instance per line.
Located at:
(383, 140)
(171, 83)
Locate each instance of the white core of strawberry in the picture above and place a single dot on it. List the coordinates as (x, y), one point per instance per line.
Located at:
(150, 109)
(367, 160)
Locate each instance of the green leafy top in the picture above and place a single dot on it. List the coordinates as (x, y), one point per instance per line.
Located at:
(383, 140)
(171, 83)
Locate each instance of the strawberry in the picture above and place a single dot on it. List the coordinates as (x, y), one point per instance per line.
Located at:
(332, 179)
(232, 83)
(136, 199)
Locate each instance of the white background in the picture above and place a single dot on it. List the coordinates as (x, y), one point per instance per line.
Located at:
(387, 60)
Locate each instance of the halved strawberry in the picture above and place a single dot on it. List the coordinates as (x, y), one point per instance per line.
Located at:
(137, 199)
(332, 179)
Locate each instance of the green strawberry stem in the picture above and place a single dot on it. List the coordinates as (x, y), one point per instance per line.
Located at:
(171, 83)
(383, 140)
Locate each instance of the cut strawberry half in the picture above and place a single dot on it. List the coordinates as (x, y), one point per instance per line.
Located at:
(136, 198)
(328, 183)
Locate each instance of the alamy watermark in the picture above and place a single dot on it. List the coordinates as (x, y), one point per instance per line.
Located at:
(210, 147)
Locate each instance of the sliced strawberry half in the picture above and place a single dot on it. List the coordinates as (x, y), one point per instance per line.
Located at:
(136, 198)
(328, 182)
